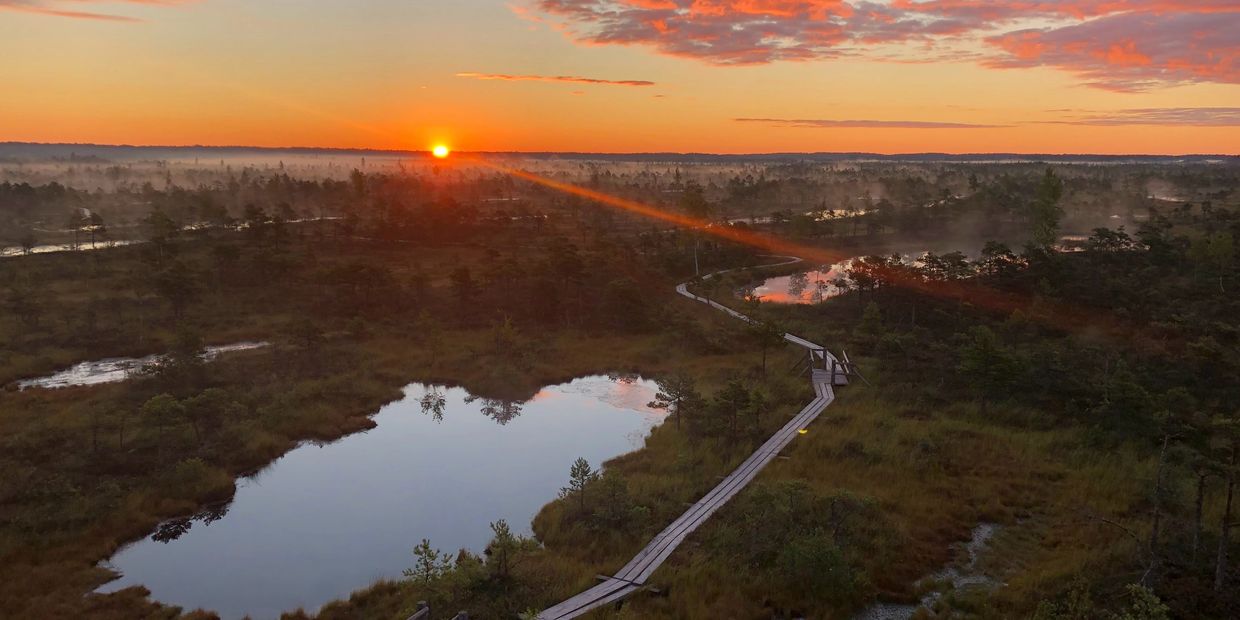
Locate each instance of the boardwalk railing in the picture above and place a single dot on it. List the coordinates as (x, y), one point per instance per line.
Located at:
(633, 576)
(424, 613)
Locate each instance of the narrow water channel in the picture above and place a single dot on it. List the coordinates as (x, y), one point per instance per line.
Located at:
(17, 250)
(325, 520)
(115, 369)
(963, 574)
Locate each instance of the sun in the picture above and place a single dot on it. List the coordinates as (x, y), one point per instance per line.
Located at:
(440, 151)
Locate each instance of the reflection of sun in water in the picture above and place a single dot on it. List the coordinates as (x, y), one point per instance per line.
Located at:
(440, 151)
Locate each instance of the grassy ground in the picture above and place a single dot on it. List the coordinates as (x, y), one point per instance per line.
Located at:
(932, 474)
(912, 471)
(672, 470)
(85, 472)
(112, 507)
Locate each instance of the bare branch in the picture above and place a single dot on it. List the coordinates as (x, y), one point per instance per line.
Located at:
(1131, 534)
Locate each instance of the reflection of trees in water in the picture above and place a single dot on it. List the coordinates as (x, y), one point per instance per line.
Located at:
(826, 289)
(797, 283)
(213, 514)
(169, 531)
(502, 411)
(825, 286)
(434, 404)
(627, 378)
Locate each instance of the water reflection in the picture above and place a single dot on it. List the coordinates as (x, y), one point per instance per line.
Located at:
(169, 531)
(797, 283)
(434, 403)
(811, 287)
(115, 369)
(17, 250)
(806, 287)
(502, 411)
(625, 378)
(441, 464)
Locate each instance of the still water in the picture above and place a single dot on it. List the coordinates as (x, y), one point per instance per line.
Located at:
(114, 369)
(811, 287)
(17, 250)
(806, 287)
(325, 520)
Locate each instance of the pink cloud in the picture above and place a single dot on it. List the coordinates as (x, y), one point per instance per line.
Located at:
(1132, 51)
(718, 31)
(1011, 10)
(1115, 44)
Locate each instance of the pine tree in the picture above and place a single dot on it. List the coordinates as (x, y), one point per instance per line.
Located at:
(579, 475)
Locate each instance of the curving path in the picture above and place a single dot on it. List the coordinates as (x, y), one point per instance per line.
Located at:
(633, 576)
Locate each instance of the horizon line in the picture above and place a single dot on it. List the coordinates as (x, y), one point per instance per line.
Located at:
(329, 149)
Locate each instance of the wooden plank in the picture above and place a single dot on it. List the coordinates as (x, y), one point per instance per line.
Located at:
(735, 486)
(652, 557)
(633, 575)
(586, 601)
(779, 440)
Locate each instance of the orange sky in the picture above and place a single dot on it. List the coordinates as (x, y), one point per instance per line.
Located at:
(1144, 76)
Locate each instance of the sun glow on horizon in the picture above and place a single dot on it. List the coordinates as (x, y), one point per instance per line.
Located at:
(441, 151)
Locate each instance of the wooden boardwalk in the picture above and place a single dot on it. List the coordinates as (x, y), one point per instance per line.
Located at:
(633, 576)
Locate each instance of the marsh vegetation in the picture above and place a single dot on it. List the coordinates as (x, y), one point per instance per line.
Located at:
(1084, 402)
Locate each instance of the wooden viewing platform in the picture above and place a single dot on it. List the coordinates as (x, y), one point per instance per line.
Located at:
(826, 371)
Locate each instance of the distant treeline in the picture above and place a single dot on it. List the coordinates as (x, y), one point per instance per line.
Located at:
(38, 151)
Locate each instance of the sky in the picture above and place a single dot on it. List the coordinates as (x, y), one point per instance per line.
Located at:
(720, 76)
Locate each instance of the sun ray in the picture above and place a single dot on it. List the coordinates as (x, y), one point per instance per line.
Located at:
(1055, 315)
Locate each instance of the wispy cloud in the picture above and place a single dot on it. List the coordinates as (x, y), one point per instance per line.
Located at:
(72, 8)
(864, 124)
(1191, 117)
(1173, 117)
(1121, 45)
(571, 79)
